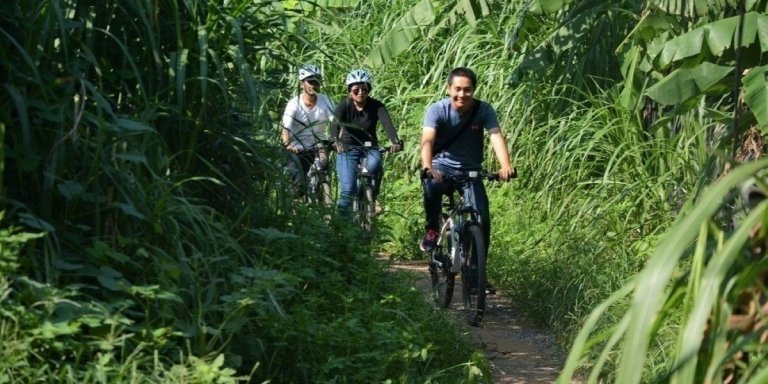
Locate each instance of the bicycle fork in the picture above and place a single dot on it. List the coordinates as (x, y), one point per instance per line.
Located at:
(450, 230)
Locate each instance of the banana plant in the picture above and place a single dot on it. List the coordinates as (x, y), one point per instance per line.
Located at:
(703, 60)
(564, 42)
(674, 52)
(425, 18)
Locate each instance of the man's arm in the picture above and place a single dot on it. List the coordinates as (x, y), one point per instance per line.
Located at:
(285, 136)
(286, 123)
(427, 143)
(428, 135)
(502, 154)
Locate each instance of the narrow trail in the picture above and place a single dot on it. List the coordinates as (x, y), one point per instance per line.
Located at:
(519, 351)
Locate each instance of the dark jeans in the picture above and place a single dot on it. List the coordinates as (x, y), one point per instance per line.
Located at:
(473, 191)
(298, 165)
(346, 171)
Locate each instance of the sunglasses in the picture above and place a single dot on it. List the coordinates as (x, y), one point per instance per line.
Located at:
(313, 83)
(358, 90)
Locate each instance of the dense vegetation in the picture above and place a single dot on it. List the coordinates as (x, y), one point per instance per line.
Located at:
(145, 235)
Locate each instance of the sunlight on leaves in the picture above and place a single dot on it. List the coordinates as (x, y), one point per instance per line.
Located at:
(756, 94)
(402, 35)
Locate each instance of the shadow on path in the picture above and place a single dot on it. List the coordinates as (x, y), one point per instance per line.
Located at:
(519, 352)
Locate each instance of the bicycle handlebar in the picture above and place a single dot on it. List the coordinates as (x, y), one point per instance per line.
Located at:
(470, 175)
(383, 150)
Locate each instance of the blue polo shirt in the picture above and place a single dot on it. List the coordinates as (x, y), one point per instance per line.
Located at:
(466, 151)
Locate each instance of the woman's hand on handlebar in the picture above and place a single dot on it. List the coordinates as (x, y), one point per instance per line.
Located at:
(396, 147)
(429, 173)
(507, 173)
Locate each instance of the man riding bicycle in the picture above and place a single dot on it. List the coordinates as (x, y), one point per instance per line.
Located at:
(452, 141)
(305, 122)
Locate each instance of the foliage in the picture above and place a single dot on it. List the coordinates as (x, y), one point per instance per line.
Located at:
(575, 47)
(142, 146)
(139, 141)
(708, 294)
(604, 172)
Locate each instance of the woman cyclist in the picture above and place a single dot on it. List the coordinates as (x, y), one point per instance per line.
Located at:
(356, 118)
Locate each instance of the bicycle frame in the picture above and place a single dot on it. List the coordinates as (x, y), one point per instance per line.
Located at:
(461, 235)
(362, 167)
(317, 174)
(318, 179)
(364, 202)
(461, 214)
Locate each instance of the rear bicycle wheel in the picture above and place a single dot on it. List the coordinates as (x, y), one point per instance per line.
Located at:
(473, 279)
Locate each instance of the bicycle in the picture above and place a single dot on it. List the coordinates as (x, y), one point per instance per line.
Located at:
(364, 203)
(460, 250)
(318, 179)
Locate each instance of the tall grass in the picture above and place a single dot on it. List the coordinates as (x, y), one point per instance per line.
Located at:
(144, 148)
(598, 190)
(707, 348)
(141, 140)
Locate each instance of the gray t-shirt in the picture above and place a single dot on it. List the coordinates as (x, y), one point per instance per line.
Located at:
(466, 151)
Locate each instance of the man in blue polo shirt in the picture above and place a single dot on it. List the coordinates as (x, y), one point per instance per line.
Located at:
(459, 149)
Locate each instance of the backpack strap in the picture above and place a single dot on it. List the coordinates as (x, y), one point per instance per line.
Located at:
(463, 125)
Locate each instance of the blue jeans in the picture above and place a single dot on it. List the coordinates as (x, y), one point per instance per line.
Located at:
(346, 171)
(473, 191)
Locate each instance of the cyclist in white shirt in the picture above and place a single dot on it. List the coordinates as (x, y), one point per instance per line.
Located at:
(305, 124)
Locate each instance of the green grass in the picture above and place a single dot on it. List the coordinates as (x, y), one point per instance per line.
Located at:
(168, 251)
(142, 147)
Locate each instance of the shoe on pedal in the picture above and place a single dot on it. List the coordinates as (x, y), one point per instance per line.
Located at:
(429, 242)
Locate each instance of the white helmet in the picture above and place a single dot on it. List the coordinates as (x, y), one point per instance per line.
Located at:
(310, 70)
(359, 76)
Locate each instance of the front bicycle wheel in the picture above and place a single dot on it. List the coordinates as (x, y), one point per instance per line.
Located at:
(473, 279)
(443, 280)
(325, 190)
(365, 208)
(311, 189)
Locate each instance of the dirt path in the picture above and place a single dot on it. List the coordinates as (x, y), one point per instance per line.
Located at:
(519, 352)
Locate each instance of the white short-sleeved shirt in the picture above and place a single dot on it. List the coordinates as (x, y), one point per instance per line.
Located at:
(307, 126)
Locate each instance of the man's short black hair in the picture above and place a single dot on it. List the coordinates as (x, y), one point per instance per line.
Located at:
(463, 72)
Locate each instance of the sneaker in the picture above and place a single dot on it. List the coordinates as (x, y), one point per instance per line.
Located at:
(489, 290)
(430, 241)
